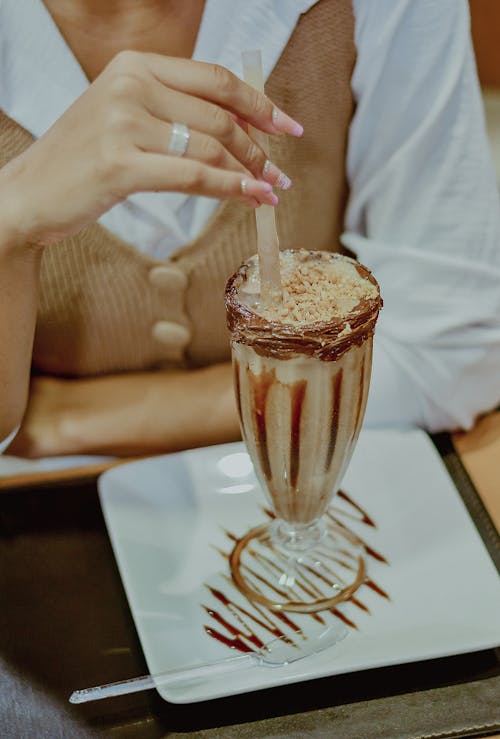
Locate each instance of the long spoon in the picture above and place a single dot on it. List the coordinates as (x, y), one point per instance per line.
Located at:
(275, 653)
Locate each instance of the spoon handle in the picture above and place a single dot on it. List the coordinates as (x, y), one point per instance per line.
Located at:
(147, 682)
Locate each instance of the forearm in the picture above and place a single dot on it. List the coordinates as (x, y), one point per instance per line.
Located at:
(19, 277)
(147, 412)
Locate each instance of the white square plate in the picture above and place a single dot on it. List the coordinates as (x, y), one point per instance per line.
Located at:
(168, 519)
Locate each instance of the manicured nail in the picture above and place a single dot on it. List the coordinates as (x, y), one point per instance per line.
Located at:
(274, 175)
(270, 199)
(284, 124)
(255, 188)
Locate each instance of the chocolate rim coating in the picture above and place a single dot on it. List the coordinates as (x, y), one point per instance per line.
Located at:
(321, 340)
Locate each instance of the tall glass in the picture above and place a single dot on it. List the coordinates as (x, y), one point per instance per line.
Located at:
(301, 392)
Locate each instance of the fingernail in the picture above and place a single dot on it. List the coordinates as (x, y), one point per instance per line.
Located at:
(256, 188)
(270, 199)
(283, 123)
(274, 175)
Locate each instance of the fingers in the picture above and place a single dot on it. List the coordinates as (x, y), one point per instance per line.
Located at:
(152, 172)
(151, 92)
(220, 125)
(200, 115)
(155, 138)
(218, 85)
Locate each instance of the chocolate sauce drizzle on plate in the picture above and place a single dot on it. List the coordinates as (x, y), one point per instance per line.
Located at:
(235, 625)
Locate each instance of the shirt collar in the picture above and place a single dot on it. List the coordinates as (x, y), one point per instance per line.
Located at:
(39, 76)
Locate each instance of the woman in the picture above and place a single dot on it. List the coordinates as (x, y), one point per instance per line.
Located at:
(130, 350)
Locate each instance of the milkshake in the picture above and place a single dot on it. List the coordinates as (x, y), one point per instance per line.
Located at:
(301, 375)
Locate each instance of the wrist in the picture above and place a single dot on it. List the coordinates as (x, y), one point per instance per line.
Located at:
(18, 232)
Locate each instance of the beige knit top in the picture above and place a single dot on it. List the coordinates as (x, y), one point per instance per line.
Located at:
(104, 307)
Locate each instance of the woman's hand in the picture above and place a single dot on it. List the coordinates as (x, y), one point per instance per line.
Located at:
(113, 141)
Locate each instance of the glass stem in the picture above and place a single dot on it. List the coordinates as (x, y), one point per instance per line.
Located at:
(296, 538)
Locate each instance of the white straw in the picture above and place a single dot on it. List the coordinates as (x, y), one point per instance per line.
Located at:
(267, 235)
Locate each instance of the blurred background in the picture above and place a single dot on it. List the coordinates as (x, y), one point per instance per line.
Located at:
(486, 34)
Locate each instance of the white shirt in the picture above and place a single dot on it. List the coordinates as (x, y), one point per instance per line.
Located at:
(424, 211)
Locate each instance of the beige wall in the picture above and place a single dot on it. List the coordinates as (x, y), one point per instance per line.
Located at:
(486, 34)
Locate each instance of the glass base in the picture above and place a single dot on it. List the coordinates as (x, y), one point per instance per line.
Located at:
(301, 568)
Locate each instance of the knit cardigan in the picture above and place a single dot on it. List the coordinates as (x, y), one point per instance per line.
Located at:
(105, 307)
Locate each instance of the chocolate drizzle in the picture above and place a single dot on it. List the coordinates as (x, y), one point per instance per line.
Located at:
(365, 517)
(233, 642)
(334, 427)
(237, 389)
(260, 385)
(358, 419)
(297, 395)
(327, 341)
(239, 622)
(343, 529)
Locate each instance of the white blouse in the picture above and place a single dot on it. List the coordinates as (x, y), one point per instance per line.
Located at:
(424, 211)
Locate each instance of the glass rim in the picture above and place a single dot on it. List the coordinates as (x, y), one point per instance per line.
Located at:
(325, 340)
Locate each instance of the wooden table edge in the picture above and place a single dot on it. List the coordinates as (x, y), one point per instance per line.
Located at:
(479, 451)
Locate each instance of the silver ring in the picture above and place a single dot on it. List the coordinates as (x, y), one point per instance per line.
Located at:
(244, 186)
(179, 140)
